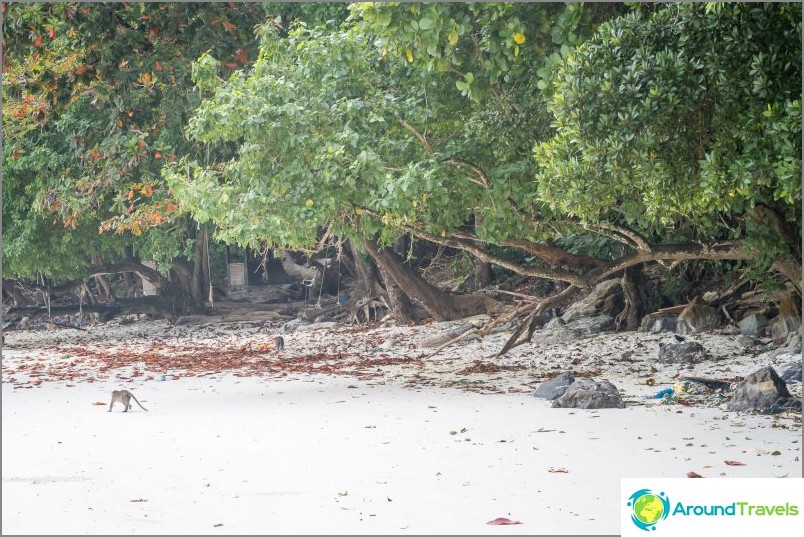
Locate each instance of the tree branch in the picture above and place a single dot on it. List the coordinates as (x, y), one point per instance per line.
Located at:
(671, 252)
(482, 178)
(417, 134)
(482, 255)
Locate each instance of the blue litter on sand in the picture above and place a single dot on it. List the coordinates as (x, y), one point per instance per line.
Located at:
(667, 392)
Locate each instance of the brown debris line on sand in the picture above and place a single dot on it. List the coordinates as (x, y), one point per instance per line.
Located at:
(188, 360)
(479, 366)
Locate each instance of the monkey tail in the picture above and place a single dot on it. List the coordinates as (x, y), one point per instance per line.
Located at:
(142, 407)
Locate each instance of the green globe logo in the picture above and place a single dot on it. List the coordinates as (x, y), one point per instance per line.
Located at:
(648, 508)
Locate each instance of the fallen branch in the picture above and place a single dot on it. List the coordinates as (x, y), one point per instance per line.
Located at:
(454, 340)
(56, 323)
(530, 323)
(560, 298)
(512, 293)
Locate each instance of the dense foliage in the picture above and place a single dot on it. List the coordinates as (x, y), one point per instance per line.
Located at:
(589, 137)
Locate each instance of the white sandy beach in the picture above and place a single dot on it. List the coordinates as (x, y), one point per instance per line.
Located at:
(375, 449)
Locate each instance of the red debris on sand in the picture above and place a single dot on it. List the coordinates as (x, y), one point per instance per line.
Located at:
(502, 522)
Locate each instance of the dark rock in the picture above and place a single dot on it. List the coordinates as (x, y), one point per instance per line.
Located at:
(782, 326)
(591, 325)
(753, 325)
(697, 318)
(792, 372)
(554, 324)
(685, 352)
(783, 404)
(605, 298)
(793, 343)
(559, 335)
(748, 342)
(762, 390)
(586, 393)
(555, 387)
(655, 323)
(549, 314)
(557, 331)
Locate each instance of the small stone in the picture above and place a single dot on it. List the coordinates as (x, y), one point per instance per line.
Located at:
(747, 341)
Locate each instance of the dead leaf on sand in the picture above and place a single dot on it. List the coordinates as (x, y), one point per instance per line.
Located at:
(502, 522)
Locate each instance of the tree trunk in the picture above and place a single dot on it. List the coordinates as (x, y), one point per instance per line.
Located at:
(86, 293)
(176, 292)
(402, 245)
(12, 289)
(483, 274)
(403, 310)
(128, 285)
(104, 289)
(198, 280)
(482, 268)
(441, 305)
(367, 294)
(633, 284)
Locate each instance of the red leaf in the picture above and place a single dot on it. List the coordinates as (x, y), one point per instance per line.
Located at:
(693, 474)
(231, 65)
(502, 522)
(157, 66)
(38, 41)
(734, 463)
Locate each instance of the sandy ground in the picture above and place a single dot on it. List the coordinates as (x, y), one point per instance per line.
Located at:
(348, 431)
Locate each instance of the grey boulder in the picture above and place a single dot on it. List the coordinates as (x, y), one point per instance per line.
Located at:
(589, 394)
(555, 387)
(689, 352)
(762, 390)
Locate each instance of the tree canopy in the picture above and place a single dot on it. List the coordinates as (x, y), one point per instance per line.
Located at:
(666, 126)
(560, 141)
